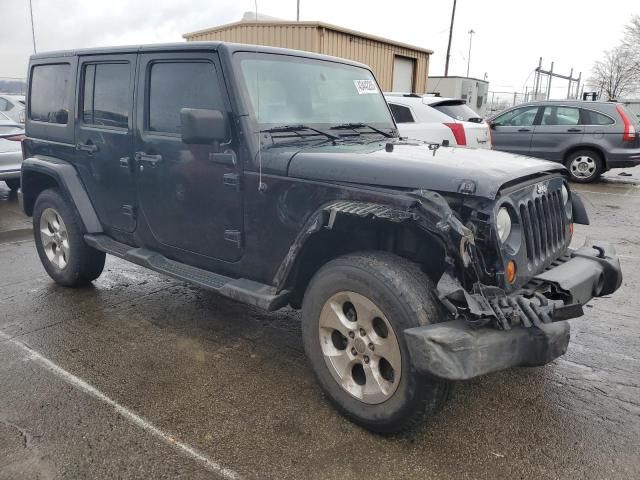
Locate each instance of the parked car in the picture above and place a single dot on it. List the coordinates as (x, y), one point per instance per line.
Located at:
(11, 134)
(589, 138)
(436, 119)
(12, 106)
(276, 177)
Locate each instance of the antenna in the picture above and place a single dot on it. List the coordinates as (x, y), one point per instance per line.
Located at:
(262, 187)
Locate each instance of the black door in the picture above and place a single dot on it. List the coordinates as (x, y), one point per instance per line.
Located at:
(188, 194)
(104, 142)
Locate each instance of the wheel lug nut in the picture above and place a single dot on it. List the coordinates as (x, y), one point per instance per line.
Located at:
(366, 359)
(371, 347)
(354, 352)
(362, 332)
(351, 334)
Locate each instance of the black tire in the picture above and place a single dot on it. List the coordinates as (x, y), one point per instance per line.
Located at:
(84, 263)
(405, 296)
(593, 164)
(13, 184)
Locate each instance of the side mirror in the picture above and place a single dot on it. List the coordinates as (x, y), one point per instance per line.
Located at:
(493, 125)
(200, 126)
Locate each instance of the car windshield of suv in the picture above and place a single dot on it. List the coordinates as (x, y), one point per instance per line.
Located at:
(458, 110)
(287, 90)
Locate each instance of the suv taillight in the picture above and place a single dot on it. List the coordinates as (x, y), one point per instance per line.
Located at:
(458, 133)
(629, 134)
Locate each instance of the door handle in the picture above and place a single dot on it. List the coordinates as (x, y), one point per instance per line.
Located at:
(574, 130)
(146, 157)
(524, 129)
(87, 147)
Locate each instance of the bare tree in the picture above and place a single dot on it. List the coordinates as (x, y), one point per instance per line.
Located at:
(617, 74)
(632, 40)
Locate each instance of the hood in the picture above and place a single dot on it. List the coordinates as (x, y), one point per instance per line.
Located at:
(415, 166)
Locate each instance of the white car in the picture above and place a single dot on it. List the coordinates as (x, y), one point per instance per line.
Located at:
(13, 106)
(11, 134)
(436, 119)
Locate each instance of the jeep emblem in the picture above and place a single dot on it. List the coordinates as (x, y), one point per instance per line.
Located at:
(541, 189)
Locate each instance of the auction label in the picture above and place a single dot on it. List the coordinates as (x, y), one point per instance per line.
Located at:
(365, 86)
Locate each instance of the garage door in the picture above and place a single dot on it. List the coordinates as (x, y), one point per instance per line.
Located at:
(403, 74)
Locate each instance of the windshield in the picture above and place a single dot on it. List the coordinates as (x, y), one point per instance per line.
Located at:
(287, 90)
(458, 110)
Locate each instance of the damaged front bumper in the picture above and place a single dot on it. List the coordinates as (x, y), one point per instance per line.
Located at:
(495, 330)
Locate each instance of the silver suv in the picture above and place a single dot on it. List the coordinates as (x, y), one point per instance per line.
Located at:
(589, 138)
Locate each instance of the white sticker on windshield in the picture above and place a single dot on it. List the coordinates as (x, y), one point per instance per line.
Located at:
(365, 86)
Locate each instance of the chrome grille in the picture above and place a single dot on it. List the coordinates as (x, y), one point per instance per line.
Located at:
(544, 225)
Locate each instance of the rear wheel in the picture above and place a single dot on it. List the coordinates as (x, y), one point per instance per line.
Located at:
(355, 311)
(585, 166)
(13, 184)
(60, 244)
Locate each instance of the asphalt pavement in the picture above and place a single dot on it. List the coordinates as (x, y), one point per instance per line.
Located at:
(141, 376)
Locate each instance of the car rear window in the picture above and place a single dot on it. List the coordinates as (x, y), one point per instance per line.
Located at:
(596, 118)
(458, 110)
(48, 101)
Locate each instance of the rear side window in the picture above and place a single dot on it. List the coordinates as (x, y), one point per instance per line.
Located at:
(49, 100)
(561, 116)
(401, 113)
(174, 86)
(595, 118)
(106, 94)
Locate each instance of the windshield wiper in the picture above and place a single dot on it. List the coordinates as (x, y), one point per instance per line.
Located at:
(298, 128)
(355, 126)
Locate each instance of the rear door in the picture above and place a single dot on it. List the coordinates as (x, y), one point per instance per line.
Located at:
(559, 128)
(104, 137)
(512, 131)
(189, 194)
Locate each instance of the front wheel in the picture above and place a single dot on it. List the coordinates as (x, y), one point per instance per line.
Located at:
(355, 311)
(60, 244)
(585, 166)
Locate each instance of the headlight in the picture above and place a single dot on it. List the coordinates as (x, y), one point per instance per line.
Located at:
(503, 224)
(565, 195)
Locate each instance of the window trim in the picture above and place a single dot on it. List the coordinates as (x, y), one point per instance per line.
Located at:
(81, 92)
(146, 116)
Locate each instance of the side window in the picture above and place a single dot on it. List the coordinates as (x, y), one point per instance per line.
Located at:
(106, 94)
(48, 99)
(561, 116)
(520, 117)
(174, 86)
(401, 113)
(4, 105)
(595, 118)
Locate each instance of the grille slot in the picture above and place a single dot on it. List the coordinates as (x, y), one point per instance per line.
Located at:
(544, 227)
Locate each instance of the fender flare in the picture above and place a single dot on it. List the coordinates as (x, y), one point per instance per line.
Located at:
(66, 177)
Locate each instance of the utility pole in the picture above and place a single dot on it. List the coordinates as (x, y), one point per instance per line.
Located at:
(33, 33)
(470, 32)
(446, 64)
(298, 11)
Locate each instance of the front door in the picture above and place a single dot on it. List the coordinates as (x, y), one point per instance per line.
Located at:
(104, 141)
(512, 131)
(189, 195)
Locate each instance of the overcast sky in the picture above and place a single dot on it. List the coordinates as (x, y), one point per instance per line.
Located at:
(510, 34)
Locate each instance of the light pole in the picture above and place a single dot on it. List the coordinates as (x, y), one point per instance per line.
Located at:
(446, 63)
(471, 32)
(298, 11)
(33, 33)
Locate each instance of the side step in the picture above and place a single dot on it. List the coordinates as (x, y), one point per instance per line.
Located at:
(240, 289)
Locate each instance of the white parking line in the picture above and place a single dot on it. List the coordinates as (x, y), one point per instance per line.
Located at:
(80, 384)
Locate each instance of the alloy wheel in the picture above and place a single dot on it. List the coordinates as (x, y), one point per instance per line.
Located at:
(583, 166)
(360, 347)
(54, 236)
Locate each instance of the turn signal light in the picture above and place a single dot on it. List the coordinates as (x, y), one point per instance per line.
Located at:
(510, 271)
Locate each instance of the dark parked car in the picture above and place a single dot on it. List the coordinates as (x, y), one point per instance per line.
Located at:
(276, 177)
(589, 138)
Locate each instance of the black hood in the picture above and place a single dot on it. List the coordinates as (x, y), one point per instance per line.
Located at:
(415, 166)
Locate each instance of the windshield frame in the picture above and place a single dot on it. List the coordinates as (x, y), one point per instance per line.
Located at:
(247, 104)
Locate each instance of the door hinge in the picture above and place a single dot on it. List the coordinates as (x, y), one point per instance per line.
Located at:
(234, 236)
(129, 211)
(231, 180)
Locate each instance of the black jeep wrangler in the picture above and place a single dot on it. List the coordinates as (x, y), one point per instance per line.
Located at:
(276, 177)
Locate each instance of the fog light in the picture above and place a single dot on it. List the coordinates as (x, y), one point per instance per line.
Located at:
(510, 271)
(571, 230)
